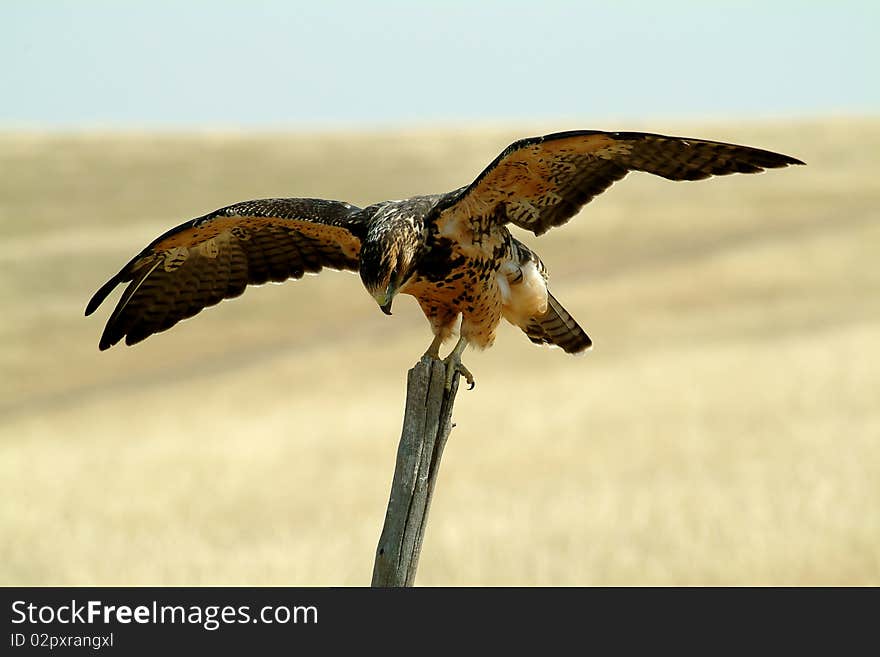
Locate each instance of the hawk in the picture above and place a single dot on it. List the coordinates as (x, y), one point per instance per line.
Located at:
(453, 252)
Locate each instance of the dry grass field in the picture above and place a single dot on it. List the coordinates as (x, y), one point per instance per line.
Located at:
(724, 430)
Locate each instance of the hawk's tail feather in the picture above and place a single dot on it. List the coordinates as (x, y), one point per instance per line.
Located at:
(557, 327)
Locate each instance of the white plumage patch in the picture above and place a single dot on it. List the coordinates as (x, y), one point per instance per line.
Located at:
(523, 292)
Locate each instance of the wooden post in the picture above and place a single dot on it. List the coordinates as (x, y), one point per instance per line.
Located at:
(426, 425)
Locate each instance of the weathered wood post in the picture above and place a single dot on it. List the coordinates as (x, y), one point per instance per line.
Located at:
(426, 425)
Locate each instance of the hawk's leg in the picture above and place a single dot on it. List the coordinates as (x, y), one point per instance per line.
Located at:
(453, 364)
(434, 350)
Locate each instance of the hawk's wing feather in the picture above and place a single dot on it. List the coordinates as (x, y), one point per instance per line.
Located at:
(215, 257)
(542, 182)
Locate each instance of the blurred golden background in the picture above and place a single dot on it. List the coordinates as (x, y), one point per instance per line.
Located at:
(724, 429)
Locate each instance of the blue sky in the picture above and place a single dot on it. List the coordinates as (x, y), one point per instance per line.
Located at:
(275, 63)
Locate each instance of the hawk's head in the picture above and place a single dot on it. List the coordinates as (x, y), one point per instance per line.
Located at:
(388, 256)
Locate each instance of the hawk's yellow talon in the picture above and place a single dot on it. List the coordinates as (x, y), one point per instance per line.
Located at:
(434, 350)
(453, 364)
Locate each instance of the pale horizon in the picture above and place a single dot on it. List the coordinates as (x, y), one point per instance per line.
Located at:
(272, 65)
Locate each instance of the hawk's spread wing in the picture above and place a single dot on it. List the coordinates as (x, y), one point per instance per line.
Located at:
(215, 257)
(542, 182)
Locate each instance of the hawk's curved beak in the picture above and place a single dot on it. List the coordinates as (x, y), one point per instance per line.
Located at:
(385, 298)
